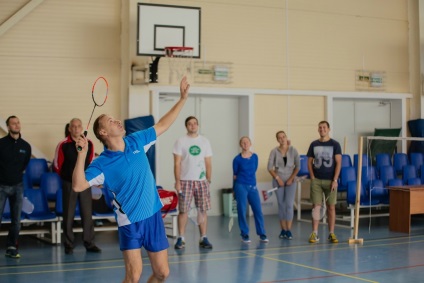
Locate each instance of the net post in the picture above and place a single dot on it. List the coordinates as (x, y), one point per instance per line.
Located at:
(355, 239)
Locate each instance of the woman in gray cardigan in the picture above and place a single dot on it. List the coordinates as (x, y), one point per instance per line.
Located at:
(283, 165)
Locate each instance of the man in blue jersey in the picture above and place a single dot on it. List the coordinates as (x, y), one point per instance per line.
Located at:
(324, 164)
(123, 169)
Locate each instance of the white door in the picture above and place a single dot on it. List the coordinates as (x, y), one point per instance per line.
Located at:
(355, 118)
(218, 121)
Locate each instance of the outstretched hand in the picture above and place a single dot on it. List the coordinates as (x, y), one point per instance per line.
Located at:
(184, 87)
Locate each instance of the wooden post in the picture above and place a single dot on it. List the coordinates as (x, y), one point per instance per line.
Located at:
(355, 239)
(344, 145)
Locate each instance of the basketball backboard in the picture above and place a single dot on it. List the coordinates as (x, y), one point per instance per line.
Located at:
(160, 26)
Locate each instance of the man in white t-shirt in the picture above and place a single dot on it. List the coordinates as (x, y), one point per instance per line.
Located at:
(192, 170)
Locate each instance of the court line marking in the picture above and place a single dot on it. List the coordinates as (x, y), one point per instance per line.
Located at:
(249, 254)
(318, 269)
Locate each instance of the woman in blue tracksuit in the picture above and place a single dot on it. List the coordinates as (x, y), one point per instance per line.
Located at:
(245, 165)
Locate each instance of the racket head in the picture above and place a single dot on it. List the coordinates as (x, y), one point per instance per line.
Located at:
(99, 91)
(196, 215)
(27, 206)
(318, 212)
(96, 193)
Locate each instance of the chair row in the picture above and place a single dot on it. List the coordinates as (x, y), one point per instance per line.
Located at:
(398, 161)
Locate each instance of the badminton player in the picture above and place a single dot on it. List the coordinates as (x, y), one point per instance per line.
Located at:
(123, 169)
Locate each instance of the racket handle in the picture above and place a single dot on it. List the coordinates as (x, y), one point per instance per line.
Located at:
(80, 148)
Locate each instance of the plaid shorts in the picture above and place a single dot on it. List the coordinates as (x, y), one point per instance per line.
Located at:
(197, 189)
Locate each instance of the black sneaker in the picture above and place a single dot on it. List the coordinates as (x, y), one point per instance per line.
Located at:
(12, 252)
(93, 249)
(69, 250)
(205, 243)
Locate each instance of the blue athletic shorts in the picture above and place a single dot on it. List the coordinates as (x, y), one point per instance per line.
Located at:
(148, 233)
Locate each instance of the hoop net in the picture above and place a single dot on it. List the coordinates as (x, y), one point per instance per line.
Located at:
(180, 62)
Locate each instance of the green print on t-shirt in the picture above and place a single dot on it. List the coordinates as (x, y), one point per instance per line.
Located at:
(194, 150)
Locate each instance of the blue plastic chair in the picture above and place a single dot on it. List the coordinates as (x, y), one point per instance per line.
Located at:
(303, 166)
(50, 184)
(399, 160)
(369, 174)
(413, 181)
(346, 161)
(377, 192)
(382, 159)
(387, 173)
(416, 159)
(35, 169)
(351, 194)
(365, 161)
(347, 174)
(408, 172)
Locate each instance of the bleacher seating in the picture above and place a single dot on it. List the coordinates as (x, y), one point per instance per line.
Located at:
(41, 186)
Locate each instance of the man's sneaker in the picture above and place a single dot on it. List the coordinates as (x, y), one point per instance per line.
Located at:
(180, 244)
(282, 234)
(12, 252)
(245, 239)
(204, 243)
(288, 235)
(332, 238)
(263, 238)
(313, 238)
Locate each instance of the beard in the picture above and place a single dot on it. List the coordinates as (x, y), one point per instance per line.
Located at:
(14, 132)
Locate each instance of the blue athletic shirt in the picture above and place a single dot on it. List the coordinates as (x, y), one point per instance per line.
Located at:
(128, 176)
(245, 169)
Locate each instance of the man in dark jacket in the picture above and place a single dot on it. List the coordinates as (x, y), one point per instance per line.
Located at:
(14, 157)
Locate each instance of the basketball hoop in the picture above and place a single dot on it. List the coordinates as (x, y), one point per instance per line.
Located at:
(179, 60)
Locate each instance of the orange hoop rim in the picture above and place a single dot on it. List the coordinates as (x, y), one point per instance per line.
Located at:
(178, 48)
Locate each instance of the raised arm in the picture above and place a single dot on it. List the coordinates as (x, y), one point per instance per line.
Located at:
(79, 183)
(166, 121)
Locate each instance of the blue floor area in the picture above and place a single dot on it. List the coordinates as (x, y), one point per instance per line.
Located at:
(384, 256)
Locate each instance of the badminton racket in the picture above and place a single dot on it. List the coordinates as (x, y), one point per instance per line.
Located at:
(318, 212)
(266, 194)
(99, 93)
(195, 215)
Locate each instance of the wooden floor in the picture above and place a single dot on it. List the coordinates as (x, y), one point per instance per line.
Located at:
(384, 256)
